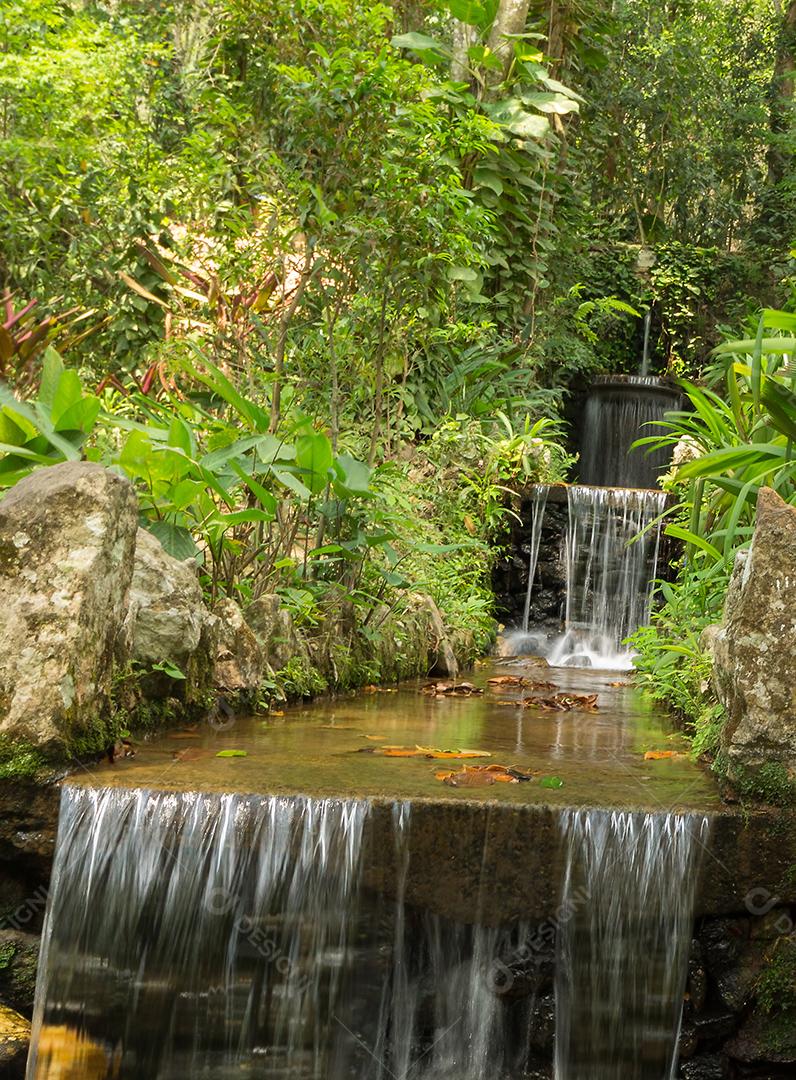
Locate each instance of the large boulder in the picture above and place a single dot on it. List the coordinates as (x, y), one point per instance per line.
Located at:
(274, 629)
(754, 650)
(167, 615)
(239, 663)
(67, 537)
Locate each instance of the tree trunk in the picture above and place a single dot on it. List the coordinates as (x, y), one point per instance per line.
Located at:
(781, 95)
(510, 19)
(463, 37)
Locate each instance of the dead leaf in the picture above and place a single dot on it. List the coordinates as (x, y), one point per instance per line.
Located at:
(482, 776)
(442, 689)
(563, 703)
(659, 755)
(506, 680)
(421, 752)
(620, 682)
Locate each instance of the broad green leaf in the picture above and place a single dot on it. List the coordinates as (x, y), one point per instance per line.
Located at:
(291, 481)
(232, 753)
(679, 533)
(419, 43)
(352, 476)
(52, 369)
(470, 12)
(462, 273)
(176, 539)
(82, 416)
(67, 393)
(136, 454)
(180, 436)
(314, 456)
(551, 102)
(484, 177)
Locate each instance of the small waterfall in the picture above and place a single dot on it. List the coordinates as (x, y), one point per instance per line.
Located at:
(619, 410)
(623, 942)
(186, 932)
(194, 935)
(539, 497)
(611, 553)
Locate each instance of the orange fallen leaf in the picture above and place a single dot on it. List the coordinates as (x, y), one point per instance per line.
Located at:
(277, 712)
(482, 775)
(421, 752)
(659, 755)
(506, 680)
(620, 682)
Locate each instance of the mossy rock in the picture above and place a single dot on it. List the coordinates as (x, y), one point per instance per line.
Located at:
(19, 958)
(14, 1043)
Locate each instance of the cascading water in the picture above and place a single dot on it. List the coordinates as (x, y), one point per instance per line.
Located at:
(219, 936)
(610, 551)
(611, 554)
(620, 410)
(212, 936)
(539, 497)
(188, 934)
(623, 942)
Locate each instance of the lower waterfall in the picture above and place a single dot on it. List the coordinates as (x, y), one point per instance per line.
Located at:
(610, 552)
(219, 936)
(623, 942)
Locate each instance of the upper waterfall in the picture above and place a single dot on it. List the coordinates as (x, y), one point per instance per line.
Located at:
(619, 410)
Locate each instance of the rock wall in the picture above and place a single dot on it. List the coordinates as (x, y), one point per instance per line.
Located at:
(510, 575)
(754, 649)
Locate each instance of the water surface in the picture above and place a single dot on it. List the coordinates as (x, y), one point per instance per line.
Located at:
(322, 749)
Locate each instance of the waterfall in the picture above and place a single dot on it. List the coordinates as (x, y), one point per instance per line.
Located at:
(619, 410)
(212, 936)
(198, 935)
(539, 497)
(623, 941)
(611, 554)
(187, 931)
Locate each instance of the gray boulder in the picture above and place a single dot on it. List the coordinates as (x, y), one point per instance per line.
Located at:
(67, 536)
(754, 649)
(167, 616)
(239, 663)
(274, 629)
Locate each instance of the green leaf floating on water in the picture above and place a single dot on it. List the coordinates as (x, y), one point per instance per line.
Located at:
(551, 782)
(232, 753)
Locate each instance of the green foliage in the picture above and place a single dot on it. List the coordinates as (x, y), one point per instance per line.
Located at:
(300, 679)
(674, 667)
(728, 449)
(19, 761)
(776, 987)
(51, 428)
